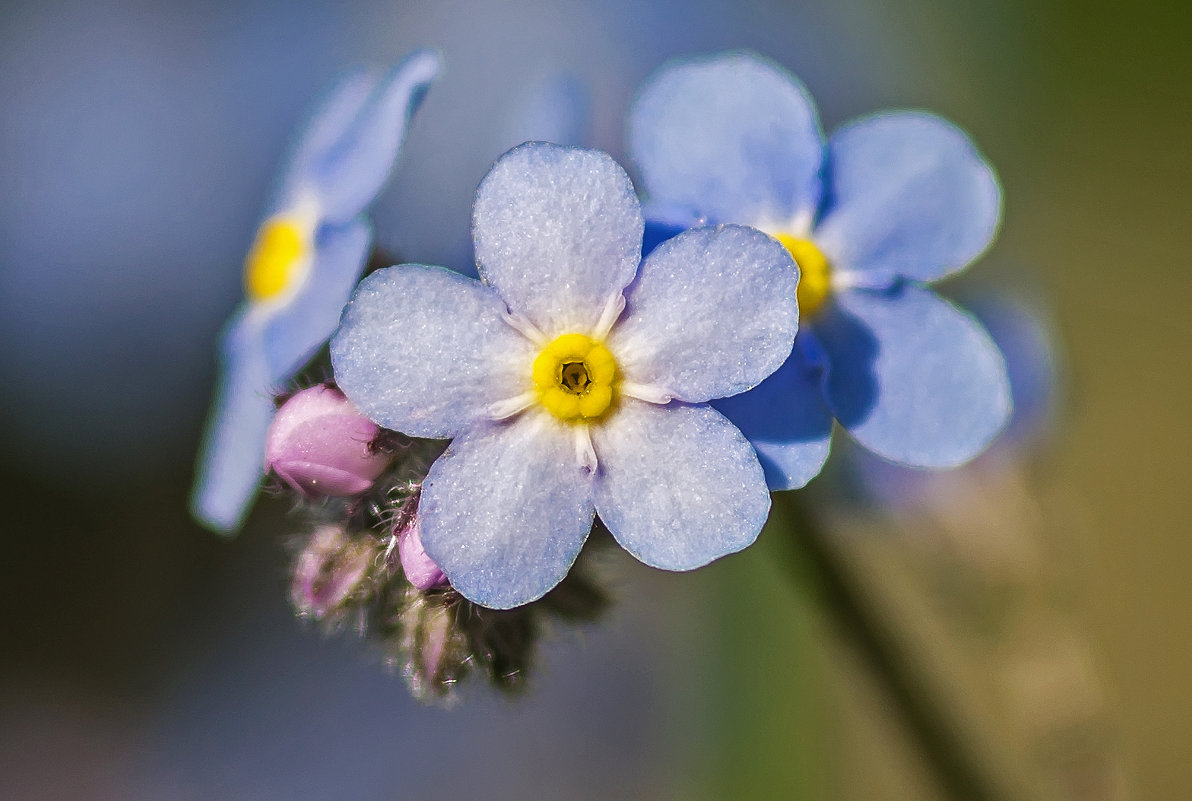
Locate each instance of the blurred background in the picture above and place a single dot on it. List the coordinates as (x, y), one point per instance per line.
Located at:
(1035, 612)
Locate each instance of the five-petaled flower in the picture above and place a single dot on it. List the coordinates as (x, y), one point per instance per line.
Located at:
(887, 204)
(308, 255)
(575, 379)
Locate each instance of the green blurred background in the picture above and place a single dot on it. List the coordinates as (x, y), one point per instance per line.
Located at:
(136, 645)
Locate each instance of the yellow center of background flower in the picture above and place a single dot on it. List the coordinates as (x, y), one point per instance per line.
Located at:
(574, 377)
(815, 274)
(270, 267)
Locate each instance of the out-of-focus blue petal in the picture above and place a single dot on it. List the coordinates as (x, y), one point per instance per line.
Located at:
(911, 377)
(556, 109)
(658, 232)
(908, 195)
(664, 222)
(426, 351)
(232, 461)
(328, 125)
(1026, 343)
(677, 485)
(506, 510)
(711, 313)
(558, 232)
(786, 420)
(296, 332)
(349, 174)
(733, 137)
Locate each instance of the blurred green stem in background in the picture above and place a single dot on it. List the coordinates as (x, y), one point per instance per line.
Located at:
(817, 564)
(761, 718)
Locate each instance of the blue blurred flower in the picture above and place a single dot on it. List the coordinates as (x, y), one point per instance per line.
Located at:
(308, 255)
(1023, 336)
(889, 203)
(574, 379)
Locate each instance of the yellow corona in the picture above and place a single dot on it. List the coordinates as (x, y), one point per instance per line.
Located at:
(575, 378)
(815, 274)
(271, 267)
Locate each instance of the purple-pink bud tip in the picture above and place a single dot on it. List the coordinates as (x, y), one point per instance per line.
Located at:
(328, 571)
(318, 443)
(420, 569)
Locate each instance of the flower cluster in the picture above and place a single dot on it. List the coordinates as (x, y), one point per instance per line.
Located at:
(476, 432)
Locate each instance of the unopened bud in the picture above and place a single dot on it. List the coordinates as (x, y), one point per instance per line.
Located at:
(435, 648)
(420, 569)
(331, 570)
(320, 445)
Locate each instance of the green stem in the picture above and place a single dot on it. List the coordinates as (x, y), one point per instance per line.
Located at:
(960, 769)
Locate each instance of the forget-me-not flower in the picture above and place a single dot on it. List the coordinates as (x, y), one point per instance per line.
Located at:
(308, 255)
(889, 203)
(574, 379)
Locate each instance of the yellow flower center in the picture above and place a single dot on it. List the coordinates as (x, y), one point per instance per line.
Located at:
(574, 376)
(281, 246)
(815, 274)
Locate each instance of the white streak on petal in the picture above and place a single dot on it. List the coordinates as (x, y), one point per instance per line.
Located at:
(511, 406)
(585, 454)
(425, 351)
(610, 315)
(647, 392)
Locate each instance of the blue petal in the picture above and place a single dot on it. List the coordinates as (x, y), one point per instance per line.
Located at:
(426, 351)
(677, 485)
(232, 462)
(327, 125)
(786, 420)
(1024, 338)
(911, 377)
(554, 109)
(909, 196)
(711, 313)
(506, 510)
(658, 232)
(350, 173)
(733, 138)
(296, 331)
(558, 232)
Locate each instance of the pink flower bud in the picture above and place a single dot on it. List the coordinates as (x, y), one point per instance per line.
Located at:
(329, 570)
(420, 569)
(318, 443)
(435, 636)
(434, 649)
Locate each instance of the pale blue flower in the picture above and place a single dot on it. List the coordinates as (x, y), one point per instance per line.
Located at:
(309, 253)
(574, 379)
(887, 204)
